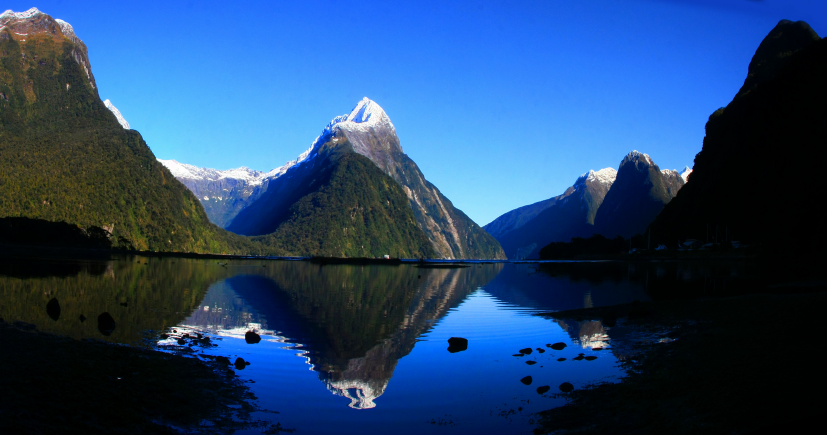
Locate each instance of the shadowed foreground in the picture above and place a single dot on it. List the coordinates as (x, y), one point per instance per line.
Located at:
(738, 365)
(54, 385)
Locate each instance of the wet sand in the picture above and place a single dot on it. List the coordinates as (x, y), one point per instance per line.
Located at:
(741, 365)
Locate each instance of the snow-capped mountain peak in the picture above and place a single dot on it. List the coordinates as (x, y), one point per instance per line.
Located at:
(117, 113)
(605, 176)
(10, 15)
(638, 156)
(685, 174)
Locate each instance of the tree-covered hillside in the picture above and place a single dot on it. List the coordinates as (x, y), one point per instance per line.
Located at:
(65, 158)
(348, 208)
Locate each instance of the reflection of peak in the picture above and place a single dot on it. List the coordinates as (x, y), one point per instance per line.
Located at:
(360, 393)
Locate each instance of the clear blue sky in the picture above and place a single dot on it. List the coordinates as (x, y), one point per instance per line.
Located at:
(501, 104)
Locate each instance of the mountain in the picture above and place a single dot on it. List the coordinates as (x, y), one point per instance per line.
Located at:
(117, 113)
(64, 157)
(290, 207)
(222, 193)
(638, 194)
(569, 215)
(756, 178)
(518, 217)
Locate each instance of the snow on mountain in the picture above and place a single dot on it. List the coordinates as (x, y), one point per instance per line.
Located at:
(191, 172)
(117, 113)
(685, 174)
(34, 22)
(635, 154)
(605, 176)
(10, 15)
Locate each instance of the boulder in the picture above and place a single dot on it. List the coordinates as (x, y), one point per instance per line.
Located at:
(566, 387)
(457, 344)
(526, 380)
(251, 337)
(543, 390)
(106, 324)
(240, 364)
(558, 346)
(53, 309)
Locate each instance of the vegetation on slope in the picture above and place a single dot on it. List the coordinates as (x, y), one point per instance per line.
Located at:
(350, 209)
(65, 158)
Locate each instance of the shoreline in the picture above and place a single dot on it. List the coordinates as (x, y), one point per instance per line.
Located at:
(56, 385)
(731, 365)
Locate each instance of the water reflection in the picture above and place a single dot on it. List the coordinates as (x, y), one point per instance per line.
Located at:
(354, 323)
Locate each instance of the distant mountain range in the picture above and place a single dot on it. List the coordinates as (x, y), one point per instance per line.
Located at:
(607, 202)
(756, 179)
(273, 206)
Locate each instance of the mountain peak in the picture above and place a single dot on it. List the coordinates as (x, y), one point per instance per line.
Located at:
(605, 176)
(685, 174)
(117, 113)
(366, 111)
(21, 26)
(786, 38)
(637, 157)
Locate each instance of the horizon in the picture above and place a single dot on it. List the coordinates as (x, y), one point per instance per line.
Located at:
(493, 102)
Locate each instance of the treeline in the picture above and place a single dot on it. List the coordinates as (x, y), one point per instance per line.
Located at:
(594, 245)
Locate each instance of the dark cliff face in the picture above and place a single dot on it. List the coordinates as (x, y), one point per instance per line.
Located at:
(636, 197)
(66, 158)
(571, 215)
(776, 50)
(751, 179)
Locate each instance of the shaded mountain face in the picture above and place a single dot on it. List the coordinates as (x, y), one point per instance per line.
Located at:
(518, 217)
(66, 158)
(636, 197)
(572, 214)
(776, 50)
(750, 180)
(367, 132)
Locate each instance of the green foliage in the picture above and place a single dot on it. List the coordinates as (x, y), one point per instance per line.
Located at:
(356, 212)
(64, 158)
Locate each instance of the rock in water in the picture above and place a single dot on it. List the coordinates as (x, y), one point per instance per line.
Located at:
(106, 324)
(240, 363)
(53, 309)
(526, 351)
(251, 337)
(566, 387)
(526, 380)
(558, 346)
(543, 390)
(222, 360)
(457, 344)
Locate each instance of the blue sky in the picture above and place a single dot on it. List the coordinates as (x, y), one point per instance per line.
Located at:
(501, 104)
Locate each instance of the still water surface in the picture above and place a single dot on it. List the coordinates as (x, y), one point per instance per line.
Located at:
(358, 349)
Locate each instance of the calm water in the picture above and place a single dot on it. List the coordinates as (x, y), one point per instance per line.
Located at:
(356, 349)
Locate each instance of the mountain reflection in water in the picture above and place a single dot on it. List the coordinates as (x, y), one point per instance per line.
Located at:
(356, 327)
(354, 322)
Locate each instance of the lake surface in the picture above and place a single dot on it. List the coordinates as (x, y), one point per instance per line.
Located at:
(356, 349)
